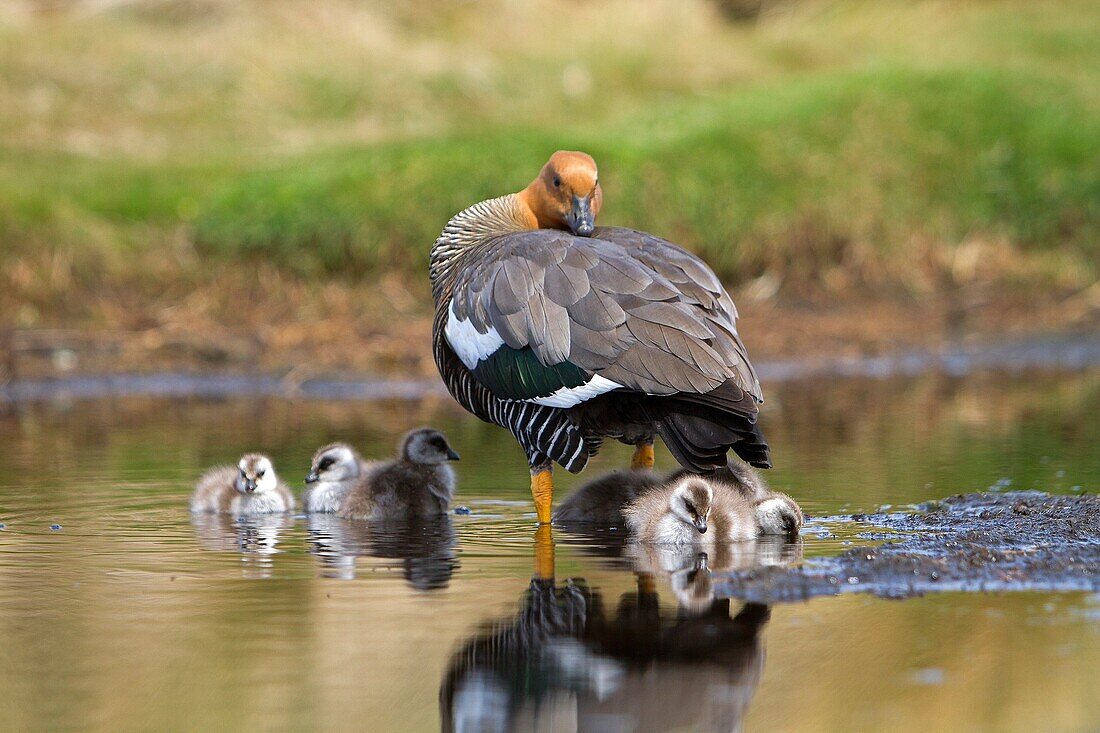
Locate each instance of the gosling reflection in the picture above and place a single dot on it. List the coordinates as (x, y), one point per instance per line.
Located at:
(631, 515)
(424, 548)
(255, 537)
(692, 575)
(564, 662)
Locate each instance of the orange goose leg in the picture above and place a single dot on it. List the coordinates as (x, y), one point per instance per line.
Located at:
(643, 456)
(542, 489)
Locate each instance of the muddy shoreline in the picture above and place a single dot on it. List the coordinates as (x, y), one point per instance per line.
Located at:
(1012, 541)
(1047, 353)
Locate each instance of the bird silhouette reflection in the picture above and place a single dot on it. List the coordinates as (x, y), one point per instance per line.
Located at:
(424, 548)
(566, 662)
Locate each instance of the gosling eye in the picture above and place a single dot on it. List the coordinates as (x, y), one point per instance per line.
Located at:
(259, 474)
(325, 463)
(557, 182)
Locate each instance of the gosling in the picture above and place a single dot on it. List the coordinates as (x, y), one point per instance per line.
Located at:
(697, 512)
(741, 476)
(419, 483)
(335, 469)
(602, 500)
(250, 488)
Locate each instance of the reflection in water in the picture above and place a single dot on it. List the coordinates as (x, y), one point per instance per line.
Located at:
(255, 537)
(687, 568)
(564, 662)
(100, 619)
(425, 547)
(690, 572)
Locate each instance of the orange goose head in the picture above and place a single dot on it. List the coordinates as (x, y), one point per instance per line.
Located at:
(566, 194)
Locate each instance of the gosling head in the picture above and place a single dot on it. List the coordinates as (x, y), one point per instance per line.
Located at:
(566, 194)
(333, 462)
(255, 474)
(427, 447)
(691, 501)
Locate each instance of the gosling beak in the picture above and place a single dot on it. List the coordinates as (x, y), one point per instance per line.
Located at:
(701, 524)
(452, 455)
(250, 485)
(580, 218)
(312, 477)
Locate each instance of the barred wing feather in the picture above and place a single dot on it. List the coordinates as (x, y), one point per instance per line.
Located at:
(545, 313)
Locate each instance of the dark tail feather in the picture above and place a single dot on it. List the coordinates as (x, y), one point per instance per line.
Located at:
(699, 430)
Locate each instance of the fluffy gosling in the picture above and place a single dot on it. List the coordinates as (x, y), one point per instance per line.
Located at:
(698, 512)
(418, 483)
(602, 500)
(250, 488)
(334, 470)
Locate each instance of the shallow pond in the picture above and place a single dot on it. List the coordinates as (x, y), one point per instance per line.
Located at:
(119, 612)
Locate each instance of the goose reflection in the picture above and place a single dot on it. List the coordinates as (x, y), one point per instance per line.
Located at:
(255, 537)
(565, 662)
(424, 548)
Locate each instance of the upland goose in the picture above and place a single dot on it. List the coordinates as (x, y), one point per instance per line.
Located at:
(566, 333)
(250, 488)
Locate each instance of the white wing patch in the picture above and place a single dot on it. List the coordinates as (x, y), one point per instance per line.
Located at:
(570, 396)
(471, 345)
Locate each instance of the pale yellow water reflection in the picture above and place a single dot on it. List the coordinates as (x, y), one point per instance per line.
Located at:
(135, 616)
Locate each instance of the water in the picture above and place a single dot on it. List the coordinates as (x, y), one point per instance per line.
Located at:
(131, 616)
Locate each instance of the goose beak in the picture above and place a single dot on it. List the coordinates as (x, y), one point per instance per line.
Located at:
(701, 525)
(580, 218)
(250, 485)
(312, 477)
(452, 455)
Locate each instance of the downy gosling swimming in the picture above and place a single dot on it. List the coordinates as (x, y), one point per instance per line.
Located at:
(419, 483)
(700, 512)
(602, 500)
(335, 469)
(250, 488)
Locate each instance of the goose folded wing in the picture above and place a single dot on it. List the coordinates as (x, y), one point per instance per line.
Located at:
(545, 312)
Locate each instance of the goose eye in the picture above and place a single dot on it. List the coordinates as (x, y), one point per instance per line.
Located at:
(557, 181)
(259, 474)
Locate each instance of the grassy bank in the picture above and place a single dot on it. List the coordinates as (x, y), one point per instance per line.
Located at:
(206, 166)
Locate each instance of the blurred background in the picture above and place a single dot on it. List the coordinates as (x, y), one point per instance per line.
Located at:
(255, 184)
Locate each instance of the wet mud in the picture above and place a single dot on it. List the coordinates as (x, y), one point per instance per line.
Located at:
(975, 542)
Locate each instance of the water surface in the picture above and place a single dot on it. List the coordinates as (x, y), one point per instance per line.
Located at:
(119, 612)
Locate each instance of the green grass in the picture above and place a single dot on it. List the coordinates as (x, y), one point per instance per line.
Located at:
(789, 179)
(838, 138)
